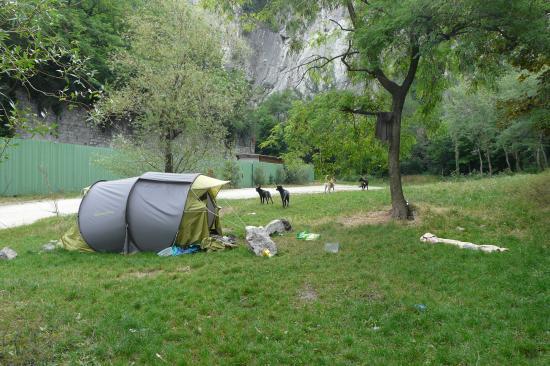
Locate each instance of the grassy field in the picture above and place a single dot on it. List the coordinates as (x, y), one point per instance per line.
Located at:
(303, 306)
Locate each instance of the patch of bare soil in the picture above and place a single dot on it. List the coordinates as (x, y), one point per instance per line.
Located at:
(365, 218)
(373, 296)
(308, 294)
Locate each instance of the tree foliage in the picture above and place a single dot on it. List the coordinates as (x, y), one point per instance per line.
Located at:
(176, 94)
(397, 43)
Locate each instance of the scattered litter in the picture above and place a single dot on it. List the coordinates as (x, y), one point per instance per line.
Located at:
(217, 242)
(460, 228)
(258, 237)
(175, 250)
(431, 238)
(132, 330)
(278, 226)
(376, 328)
(252, 213)
(8, 253)
(160, 357)
(52, 245)
(332, 247)
(420, 307)
(304, 235)
(78, 316)
(230, 241)
(258, 240)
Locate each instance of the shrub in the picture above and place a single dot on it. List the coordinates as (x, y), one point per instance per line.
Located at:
(280, 176)
(297, 173)
(259, 175)
(232, 172)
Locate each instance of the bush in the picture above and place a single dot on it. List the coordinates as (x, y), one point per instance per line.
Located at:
(259, 175)
(297, 173)
(280, 176)
(232, 172)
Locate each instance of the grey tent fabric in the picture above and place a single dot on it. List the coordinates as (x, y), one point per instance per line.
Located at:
(134, 214)
(158, 205)
(102, 215)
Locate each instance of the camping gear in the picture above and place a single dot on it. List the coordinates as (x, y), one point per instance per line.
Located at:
(146, 213)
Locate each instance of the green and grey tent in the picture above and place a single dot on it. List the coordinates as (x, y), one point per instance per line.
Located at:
(146, 213)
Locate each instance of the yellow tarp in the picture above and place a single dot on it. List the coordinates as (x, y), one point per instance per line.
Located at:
(72, 240)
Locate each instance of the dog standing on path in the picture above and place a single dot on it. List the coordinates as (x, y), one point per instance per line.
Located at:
(264, 195)
(329, 183)
(285, 196)
(364, 183)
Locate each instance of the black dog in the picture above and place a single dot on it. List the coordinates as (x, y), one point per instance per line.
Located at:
(364, 183)
(285, 195)
(264, 195)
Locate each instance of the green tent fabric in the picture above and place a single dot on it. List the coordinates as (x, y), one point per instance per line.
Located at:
(72, 240)
(194, 225)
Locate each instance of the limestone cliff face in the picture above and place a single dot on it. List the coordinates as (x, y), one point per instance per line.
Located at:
(273, 66)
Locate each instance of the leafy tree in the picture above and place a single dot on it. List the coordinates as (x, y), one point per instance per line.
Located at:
(174, 88)
(472, 117)
(397, 43)
(28, 51)
(523, 108)
(337, 143)
(269, 114)
(232, 172)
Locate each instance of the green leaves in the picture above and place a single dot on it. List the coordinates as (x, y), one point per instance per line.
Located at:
(173, 88)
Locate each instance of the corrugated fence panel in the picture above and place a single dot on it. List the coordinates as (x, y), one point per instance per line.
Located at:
(42, 167)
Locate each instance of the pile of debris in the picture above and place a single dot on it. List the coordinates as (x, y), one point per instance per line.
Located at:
(259, 240)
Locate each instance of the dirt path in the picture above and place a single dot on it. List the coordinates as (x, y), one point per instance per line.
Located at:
(26, 213)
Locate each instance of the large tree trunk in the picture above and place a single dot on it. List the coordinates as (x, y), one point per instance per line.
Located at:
(507, 160)
(400, 209)
(488, 154)
(516, 158)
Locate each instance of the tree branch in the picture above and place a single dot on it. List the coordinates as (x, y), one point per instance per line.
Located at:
(352, 14)
(341, 27)
(388, 84)
(413, 66)
(360, 111)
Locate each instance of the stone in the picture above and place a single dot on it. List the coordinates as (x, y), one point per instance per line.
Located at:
(278, 226)
(8, 253)
(258, 240)
(48, 247)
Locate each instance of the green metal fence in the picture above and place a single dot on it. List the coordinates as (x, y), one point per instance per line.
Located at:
(42, 167)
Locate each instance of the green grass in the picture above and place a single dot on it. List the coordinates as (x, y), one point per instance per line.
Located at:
(303, 306)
